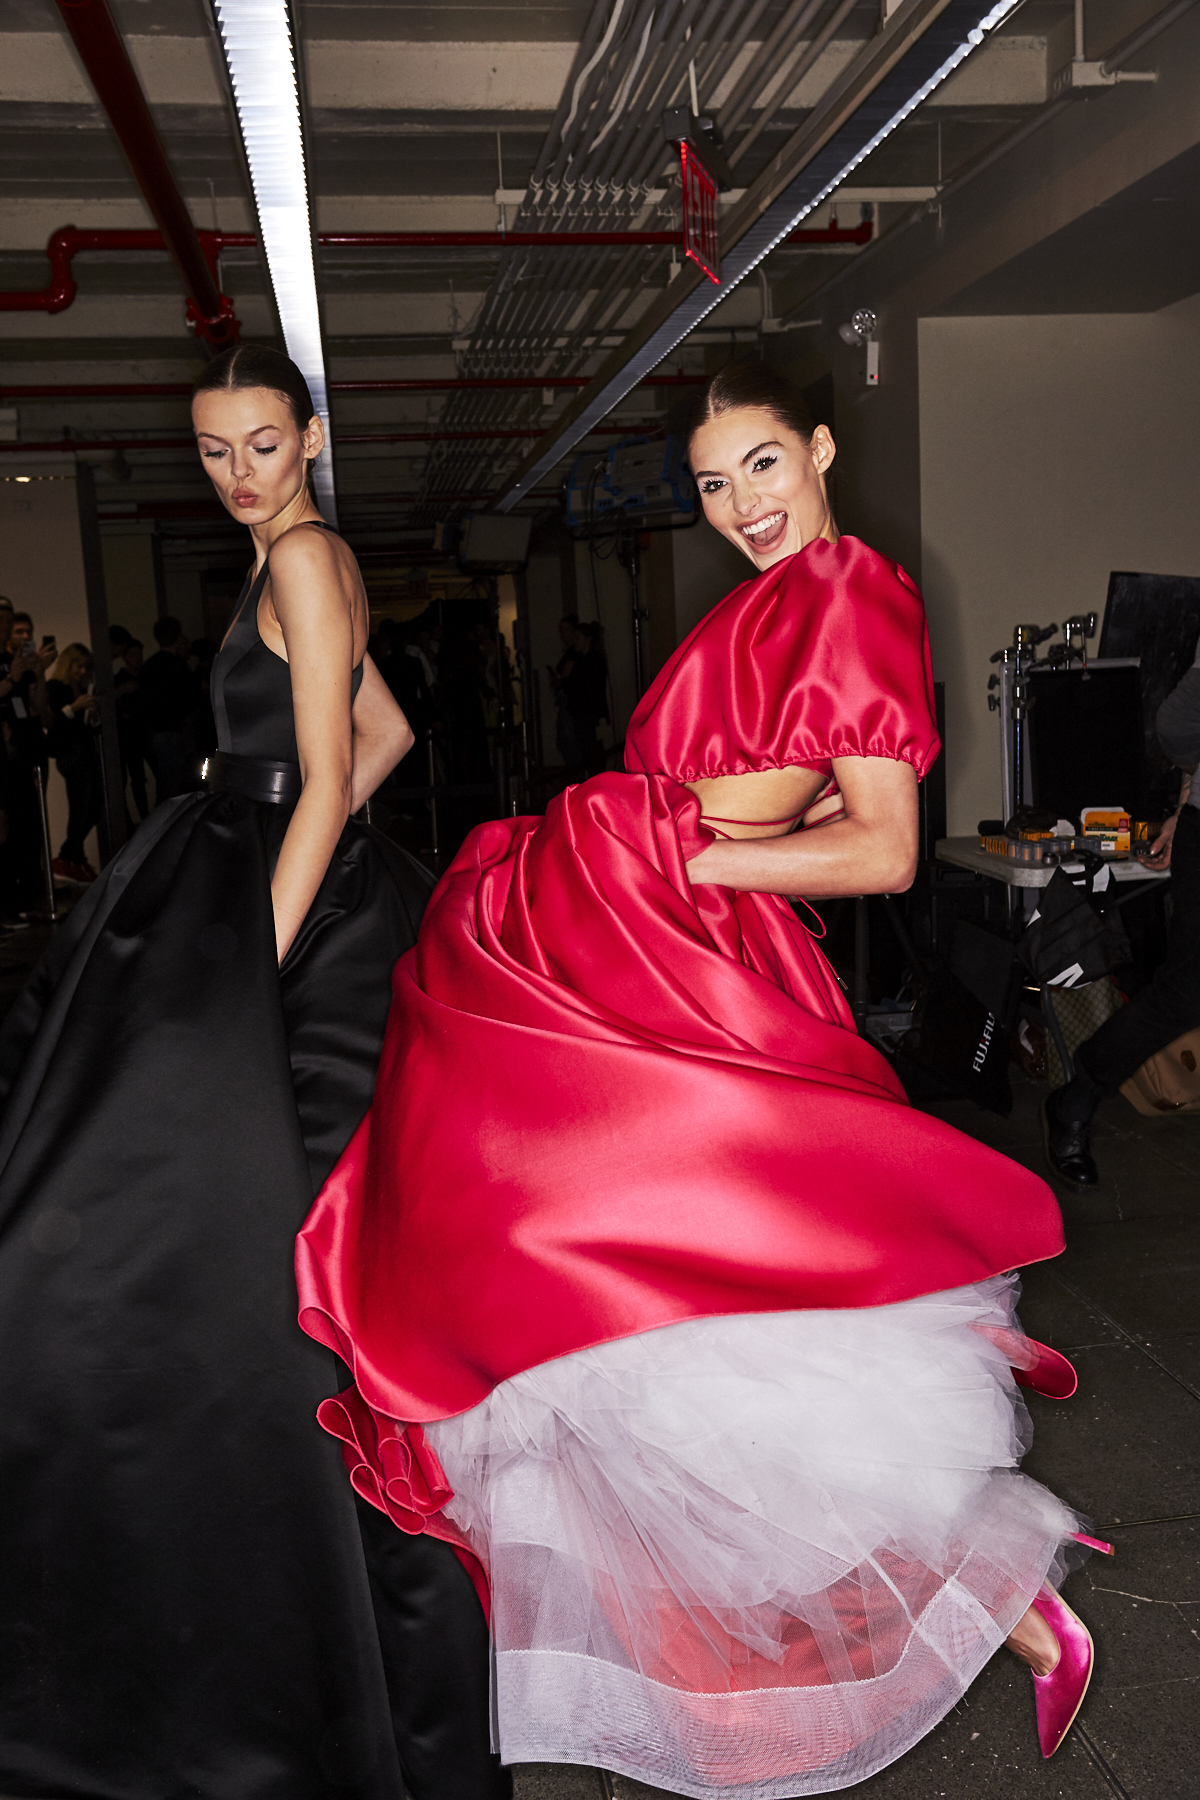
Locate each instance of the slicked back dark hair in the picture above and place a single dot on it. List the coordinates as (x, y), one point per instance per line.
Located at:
(258, 366)
(741, 384)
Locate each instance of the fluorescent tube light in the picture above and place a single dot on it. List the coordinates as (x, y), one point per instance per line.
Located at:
(256, 36)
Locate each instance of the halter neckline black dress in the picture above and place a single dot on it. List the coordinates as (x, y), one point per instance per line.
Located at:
(186, 1602)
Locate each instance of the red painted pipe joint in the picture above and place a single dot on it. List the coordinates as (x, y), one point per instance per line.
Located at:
(218, 328)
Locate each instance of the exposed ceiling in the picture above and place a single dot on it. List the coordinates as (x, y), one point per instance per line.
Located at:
(1136, 252)
(459, 118)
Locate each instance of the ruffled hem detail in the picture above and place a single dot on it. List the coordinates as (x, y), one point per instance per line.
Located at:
(394, 1468)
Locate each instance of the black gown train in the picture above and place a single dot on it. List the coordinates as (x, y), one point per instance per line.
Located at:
(186, 1602)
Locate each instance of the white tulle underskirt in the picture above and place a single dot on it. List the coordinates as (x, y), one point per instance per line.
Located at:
(758, 1556)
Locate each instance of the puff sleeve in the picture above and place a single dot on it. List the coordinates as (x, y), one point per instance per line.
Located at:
(825, 655)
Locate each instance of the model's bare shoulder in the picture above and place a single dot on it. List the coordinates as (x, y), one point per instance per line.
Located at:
(307, 549)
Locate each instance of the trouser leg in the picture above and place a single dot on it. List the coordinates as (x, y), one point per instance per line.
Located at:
(1169, 1004)
(436, 1660)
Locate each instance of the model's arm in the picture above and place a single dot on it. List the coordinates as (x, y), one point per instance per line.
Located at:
(872, 850)
(313, 597)
(1178, 729)
(382, 735)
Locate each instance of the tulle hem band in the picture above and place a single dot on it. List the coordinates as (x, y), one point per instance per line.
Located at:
(758, 1556)
(560, 1707)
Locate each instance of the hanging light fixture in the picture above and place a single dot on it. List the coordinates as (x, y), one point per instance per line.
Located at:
(257, 41)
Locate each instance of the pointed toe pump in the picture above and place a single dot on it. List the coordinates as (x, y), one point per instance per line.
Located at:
(1060, 1694)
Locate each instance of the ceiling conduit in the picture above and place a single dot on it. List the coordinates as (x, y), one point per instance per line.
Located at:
(921, 44)
(106, 60)
(175, 390)
(430, 435)
(1117, 57)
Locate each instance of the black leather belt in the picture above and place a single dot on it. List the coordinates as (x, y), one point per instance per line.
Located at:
(274, 783)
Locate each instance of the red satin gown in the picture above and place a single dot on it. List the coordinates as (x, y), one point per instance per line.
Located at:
(758, 1552)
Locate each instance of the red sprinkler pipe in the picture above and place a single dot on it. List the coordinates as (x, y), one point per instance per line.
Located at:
(554, 240)
(162, 390)
(104, 56)
(64, 245)
(430, 436)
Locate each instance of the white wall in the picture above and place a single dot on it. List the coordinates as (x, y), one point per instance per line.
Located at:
(1054, 449)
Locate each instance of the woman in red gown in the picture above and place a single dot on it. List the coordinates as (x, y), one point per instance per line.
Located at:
(663, 1305)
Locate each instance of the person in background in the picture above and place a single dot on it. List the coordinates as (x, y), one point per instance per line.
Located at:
(131, 723)
(72, 740)
(6, 617)
(1169, 1004)
(410, 670)
(170, 701)
(24, 717)
(565, 740)
(587, 694)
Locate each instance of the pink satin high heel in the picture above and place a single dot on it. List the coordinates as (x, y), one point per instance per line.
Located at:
(1059, 1695)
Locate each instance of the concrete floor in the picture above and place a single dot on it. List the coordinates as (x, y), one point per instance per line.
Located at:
(1124, 1304)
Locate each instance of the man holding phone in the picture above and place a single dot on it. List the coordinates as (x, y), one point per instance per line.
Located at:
(1169, 1004)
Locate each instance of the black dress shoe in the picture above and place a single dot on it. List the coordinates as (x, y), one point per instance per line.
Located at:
(1066, 1147)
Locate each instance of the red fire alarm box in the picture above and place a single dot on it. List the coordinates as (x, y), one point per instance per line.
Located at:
(700, 233)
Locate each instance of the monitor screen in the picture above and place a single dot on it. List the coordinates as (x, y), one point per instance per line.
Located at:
(1086, 744)
(496, 540)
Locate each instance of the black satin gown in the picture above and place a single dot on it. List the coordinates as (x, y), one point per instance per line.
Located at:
(190, 1603)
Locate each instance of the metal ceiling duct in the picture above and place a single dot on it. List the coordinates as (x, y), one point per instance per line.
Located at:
(632, 62)
(920, 46)
(103, 54)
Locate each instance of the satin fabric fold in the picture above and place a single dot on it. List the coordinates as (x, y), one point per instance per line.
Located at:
(184, 1603)
(607, 1102)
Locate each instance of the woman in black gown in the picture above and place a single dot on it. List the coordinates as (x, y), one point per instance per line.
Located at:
(189, 1603)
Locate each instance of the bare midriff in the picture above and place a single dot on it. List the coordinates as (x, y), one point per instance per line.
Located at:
(767, 803)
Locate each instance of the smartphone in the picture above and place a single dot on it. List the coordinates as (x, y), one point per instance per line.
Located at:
(47, 642)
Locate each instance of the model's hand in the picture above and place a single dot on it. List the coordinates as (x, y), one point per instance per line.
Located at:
(1159, 853)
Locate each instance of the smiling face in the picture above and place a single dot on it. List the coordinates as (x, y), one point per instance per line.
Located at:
(761, 485)
(252, 450)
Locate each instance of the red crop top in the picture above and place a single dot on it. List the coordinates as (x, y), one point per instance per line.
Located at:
(824, 655)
